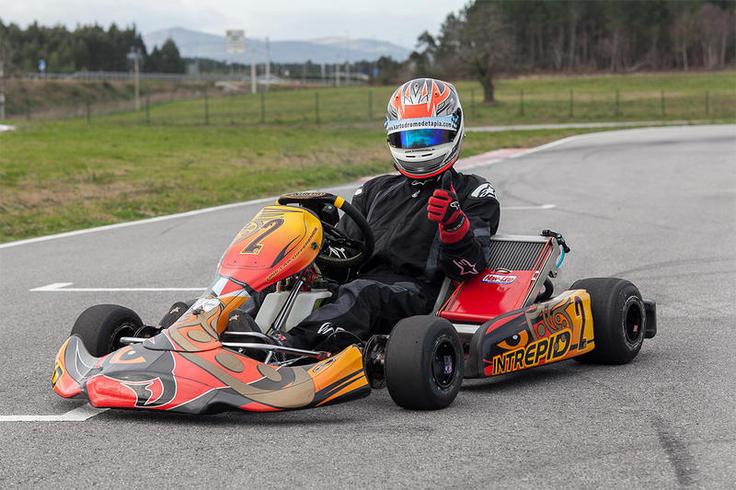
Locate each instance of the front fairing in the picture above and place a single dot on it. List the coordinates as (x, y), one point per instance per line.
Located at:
(185, 368)
(137, 377)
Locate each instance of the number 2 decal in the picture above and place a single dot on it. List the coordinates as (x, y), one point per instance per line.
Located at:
(255, 246)
(580, 311)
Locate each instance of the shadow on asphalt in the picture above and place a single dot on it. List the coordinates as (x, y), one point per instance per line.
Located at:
(521, 380)
(284, 419)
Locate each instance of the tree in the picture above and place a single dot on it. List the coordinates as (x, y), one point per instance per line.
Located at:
(683, 31)
(481, 40)
(714, 27)
(171, 61)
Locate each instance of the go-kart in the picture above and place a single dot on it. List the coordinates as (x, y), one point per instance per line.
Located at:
(504, 319)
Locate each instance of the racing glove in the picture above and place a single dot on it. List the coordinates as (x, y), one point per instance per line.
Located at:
(444, 208)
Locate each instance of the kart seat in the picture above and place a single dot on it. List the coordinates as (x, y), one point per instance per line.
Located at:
(306, 302)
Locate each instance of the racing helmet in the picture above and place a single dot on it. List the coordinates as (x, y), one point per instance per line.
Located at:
(424, 126)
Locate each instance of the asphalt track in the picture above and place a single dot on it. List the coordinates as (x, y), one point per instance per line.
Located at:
(656, 206)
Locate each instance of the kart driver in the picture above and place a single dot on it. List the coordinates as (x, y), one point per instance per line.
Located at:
(423, 232)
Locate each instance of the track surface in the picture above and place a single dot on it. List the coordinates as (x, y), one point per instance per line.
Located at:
(656, 206)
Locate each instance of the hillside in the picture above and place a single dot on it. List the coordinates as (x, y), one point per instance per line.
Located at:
(194, 44)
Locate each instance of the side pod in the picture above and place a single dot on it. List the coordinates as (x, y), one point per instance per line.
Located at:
(555, 330)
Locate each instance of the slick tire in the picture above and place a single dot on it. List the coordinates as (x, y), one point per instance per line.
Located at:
(102, 326)
(424, 363)
(619, 320)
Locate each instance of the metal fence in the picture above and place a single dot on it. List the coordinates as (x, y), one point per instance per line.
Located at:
(220, 104)
(346, 78)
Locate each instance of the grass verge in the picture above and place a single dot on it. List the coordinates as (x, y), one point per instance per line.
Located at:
(58, 176)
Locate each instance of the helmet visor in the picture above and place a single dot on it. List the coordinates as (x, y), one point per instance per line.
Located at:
(420, 138)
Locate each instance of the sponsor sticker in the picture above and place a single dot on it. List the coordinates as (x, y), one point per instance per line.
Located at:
(449, 123)
(494, 278)
(548, 349)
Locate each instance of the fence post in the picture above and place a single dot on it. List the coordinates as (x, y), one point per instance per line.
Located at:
(206, 108)
(316, 107)
(148, 109)
(28, 110)
(370, 104)
(707, 102)
(661, 103)
(263, 107)
(521, 102)
(571, 104)
(472, 103)
(617, 107)
(88, 111)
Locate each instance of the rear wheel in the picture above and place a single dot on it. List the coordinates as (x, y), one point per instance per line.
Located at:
(424, 363)
(102, 326)
(619, 320)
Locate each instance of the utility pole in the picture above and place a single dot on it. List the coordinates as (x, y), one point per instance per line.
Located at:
(268, 64)
(2, 84)
(137, 69)
(253, 86)
(347, 58)
(135, 56)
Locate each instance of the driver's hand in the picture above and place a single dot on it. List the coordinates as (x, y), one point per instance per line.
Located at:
(444, 208)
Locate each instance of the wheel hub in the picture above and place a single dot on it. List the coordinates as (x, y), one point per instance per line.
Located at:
(633, 321)
(124, 330)
(443, 363)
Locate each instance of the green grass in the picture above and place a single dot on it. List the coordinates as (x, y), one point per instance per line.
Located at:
(59, 176)
(641, 97)
(62, 176)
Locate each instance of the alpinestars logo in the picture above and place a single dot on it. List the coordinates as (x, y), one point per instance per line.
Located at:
(465, 267)
(484, 190)
(338, 252)
(328, 328)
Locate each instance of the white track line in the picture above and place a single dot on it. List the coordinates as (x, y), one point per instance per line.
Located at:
(196, 212)
(79, 414)
(63, 288)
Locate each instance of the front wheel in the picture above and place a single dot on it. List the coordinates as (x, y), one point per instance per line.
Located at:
(102, 326)
(424, 363)
(619, 320)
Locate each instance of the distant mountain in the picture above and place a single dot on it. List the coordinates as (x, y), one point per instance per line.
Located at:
(194, 44)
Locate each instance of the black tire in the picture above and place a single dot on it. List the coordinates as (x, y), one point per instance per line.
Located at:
(424, 363)
(101, 326)
(619, 320)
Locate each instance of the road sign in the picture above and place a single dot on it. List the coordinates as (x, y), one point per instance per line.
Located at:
(235, 41)
(42, 65)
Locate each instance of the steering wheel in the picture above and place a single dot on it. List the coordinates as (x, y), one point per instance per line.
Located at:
(338, 250)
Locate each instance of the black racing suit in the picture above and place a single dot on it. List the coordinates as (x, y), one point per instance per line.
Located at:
(409, 263)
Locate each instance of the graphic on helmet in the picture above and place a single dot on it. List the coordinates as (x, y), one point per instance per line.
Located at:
(424, 127)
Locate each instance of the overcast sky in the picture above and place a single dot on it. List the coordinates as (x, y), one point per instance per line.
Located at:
(398, 21)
